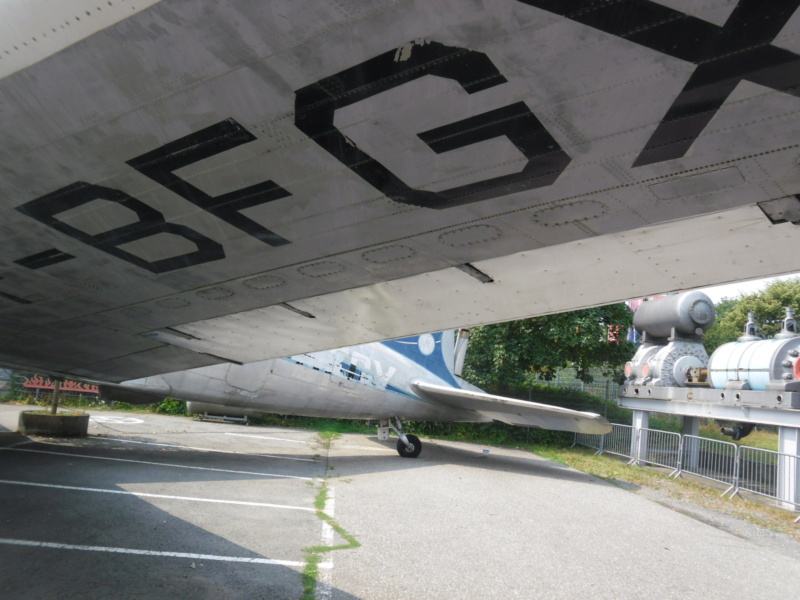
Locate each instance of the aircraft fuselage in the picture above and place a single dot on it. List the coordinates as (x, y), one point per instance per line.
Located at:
(369, 381)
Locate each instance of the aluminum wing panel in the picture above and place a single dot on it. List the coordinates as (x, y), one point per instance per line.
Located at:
(190, 183)
(515, 412)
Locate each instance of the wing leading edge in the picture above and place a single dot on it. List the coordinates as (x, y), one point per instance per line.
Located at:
(514, 412)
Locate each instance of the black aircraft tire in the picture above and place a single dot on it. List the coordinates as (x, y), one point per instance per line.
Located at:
(411, 451)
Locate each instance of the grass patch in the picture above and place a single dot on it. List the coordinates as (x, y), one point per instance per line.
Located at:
(314, 554)
(329, 436)
(338, 426)
(759, 438)
(60, 413)
(604, 467)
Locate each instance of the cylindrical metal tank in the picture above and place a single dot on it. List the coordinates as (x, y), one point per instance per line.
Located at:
(691, 313)
(757, 363)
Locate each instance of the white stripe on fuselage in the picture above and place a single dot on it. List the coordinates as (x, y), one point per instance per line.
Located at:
(361, 369)
(373, 365)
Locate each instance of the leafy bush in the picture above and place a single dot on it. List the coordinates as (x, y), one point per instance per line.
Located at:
(170, 406)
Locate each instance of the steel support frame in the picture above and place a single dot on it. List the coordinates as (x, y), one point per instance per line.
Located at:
(779, 417)
(789, 467)
(641, 421)
(691, 426)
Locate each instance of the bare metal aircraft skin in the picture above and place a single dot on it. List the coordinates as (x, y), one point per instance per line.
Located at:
(188, 183)
(412, 378)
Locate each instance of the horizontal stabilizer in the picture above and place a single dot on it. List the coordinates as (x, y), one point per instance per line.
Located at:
(514, 412)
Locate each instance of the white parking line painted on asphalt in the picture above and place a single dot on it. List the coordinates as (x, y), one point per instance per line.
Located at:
(22, 443)
(158, 464)
(375, 448)
(239, 559)
(146, 495)
(208, 449)
(265, 437)
(117, 420)
(324, 590)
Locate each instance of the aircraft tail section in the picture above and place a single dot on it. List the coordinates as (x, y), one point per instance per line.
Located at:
(460, 351)
(435, 352)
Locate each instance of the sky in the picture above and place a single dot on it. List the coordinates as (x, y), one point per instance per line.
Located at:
(734, 290)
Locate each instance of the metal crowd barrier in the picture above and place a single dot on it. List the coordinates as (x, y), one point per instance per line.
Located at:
(660, 448)
(759, 473)
(619, 441)
(590, 440)
(711, 459)
(763, 472)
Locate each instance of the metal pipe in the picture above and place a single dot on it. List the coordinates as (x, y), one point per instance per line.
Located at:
(738, 431)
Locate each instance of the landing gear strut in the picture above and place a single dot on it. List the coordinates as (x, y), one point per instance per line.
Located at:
(408, 446)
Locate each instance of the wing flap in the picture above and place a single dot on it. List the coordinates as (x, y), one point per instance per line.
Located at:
(514, 412)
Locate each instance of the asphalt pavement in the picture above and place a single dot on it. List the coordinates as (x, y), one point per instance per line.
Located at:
(151, 506)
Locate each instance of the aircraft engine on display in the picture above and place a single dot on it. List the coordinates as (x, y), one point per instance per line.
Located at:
(672, 366)
(672, 339)
(752, 381)
(755, 363)
(672, 352)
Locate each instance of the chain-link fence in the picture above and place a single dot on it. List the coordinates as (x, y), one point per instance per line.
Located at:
(603, 386)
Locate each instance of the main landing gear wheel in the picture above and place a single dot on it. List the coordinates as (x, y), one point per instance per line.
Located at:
(408, 446)
(410, 450)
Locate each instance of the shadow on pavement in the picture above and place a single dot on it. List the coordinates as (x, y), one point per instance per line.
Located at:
(436, 452)
(106, 521)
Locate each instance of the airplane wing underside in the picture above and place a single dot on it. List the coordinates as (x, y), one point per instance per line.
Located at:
(514, 412)
(194, 182)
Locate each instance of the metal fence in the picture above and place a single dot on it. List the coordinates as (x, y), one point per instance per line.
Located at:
(712, 459)
(660, 448)
(619, 441)
(758, 470)
(768, 473)
(589, 440)
(764, 472)
(607, 389)
(73, 397)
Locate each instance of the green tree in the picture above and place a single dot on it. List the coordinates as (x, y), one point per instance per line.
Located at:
(15, 385)
(505, 357)
(724, 329)
(768, 306)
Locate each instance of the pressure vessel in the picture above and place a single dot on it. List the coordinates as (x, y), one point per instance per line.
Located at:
(691, 313)
(756, 362)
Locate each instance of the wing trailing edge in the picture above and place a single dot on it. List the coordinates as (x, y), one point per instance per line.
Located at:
(514, 412)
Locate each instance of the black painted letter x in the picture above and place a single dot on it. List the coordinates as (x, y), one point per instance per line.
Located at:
(741, 50)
